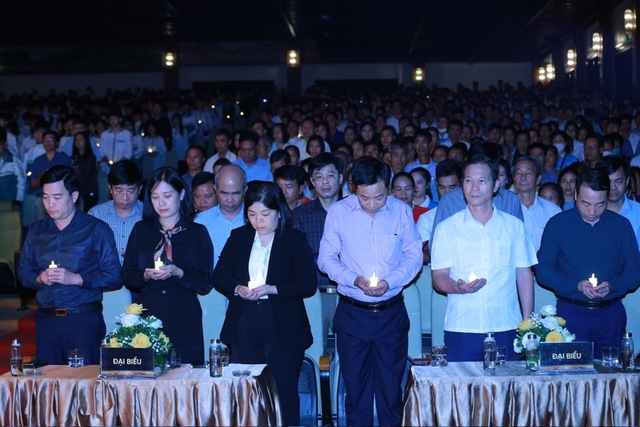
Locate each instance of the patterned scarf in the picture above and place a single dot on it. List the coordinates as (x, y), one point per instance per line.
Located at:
(164, 245)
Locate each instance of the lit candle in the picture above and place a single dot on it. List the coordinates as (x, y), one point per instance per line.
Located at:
(150, 150)
(253, 284)
(472, 277)
(53, 265)
(373, 281)
(593, 280)
(199, 121)
(157, 264)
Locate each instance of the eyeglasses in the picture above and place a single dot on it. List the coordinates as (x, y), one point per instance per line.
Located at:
(329, 177)
(120, 192)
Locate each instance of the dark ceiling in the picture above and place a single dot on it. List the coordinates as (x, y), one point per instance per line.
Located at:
(119, 35)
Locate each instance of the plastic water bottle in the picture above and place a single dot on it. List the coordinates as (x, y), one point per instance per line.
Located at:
(532, 353)
(16, 358)
(489, 352)
(627, 352)
(215, 358)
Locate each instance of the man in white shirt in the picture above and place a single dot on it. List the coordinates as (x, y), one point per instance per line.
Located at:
(115, 144)
(222, 141)
(482, 258)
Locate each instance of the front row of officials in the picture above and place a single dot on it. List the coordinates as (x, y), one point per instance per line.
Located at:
(266, 268)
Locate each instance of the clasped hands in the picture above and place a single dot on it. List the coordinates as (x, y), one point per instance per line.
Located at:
(372, 291)
(59, 275)
(591, 292)
(163, 272)
(256, 293)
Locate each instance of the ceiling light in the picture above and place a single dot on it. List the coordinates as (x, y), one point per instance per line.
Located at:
(169, 59)
(629, 20)
(293, 59)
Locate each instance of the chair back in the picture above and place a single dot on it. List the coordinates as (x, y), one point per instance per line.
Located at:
(412, 303)
(10, 242)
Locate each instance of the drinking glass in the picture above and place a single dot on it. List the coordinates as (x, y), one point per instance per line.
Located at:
(75, 357)
(610, 356)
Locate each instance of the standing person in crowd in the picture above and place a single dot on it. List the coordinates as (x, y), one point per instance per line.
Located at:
(195, 158)
(115, 144)
(567, 180)
(481, 258)
(50, 158)
(222, 142)
(230, 186)
(204, 192)
(86, 164)
(154, 145)
(292, 180)
(326, 176)
(69, 259)
(371, 248)
(12, 178)
(256, 168)
(169, 261)
(579, 243)
(121, 214)
(266, 320)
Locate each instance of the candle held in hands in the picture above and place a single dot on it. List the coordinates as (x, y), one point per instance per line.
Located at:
(472, 277)
(53, 265)
(373, 281)
(157, 264)
(593, 280)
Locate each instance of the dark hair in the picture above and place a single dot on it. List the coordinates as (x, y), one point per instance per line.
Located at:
(507, 171)
(200, 148)
(479, 159)
(3, 135)
(555, 187)
(487, 149)
(595, 179)
(222, 161)
(249, 135)
(567, 140)
(318, 139)
(88, 152)
(611, 164)
(173, 179)
(269, 194)
(325, 159)
(279, 155)
(294, 148)
(597, 137)
(528, 158)
(202, 178)
(291, 173)
(125, 172)
(427, 178)
(224, 132)
(51, 132)
(368, 170)
(448, 167)
(66, 174)
(403, 175)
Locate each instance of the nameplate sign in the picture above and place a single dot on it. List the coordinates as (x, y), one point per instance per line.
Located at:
(126, 362)
(566, 357)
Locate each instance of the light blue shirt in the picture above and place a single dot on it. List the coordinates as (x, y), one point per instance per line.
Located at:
(631, 211)
(121, 227)
(259, 171)
(219, 227)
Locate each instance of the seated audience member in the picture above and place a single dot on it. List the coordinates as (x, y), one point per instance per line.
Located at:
(219, 164)
(195, 158)
(567, 180)
(458, 152)
(505, 178)
(423, 196)
(204, 194)
(12, 177)
(279, 158)
(564, 144)
(440, 153)
(551, 192)
(539, 151)
(294, 154)
(222, 142)
(292, 180)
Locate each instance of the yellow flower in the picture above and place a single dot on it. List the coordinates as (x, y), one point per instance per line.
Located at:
(526, 324)
(164, 337)
(140, 341)
(561, 321)
(554, 336)
(113, 342)
(136, 309)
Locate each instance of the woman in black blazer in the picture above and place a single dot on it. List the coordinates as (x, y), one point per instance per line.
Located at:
(266, 269)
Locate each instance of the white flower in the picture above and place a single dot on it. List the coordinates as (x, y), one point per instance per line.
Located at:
(129, 320)
(517, 348)
(568, 336)
(156, 324)
(551, 323)
(548, 310)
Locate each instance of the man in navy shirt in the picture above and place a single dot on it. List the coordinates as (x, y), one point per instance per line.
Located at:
(69, 259)
(590, 241)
